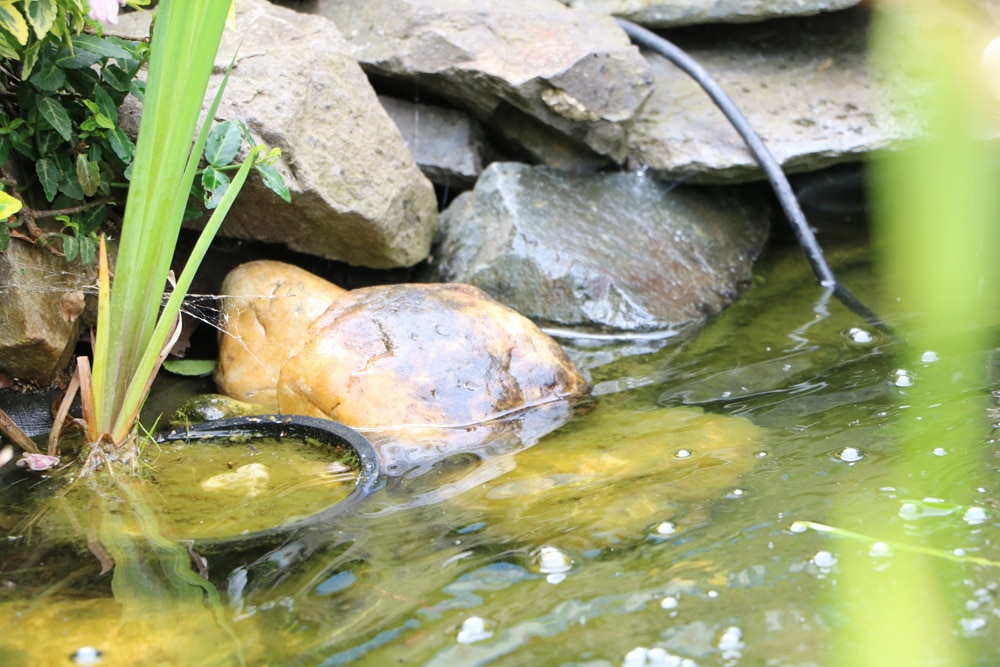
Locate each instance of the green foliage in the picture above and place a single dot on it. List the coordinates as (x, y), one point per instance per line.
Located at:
(62, 150)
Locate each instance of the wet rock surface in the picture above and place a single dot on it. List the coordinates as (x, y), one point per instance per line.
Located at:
(267, 309)
(437, 355)
(41, 304)
(574, 71)
(608, 251)
(805, 87)
(669, 13)
(449, 146)
(357, 195)
(426, 370)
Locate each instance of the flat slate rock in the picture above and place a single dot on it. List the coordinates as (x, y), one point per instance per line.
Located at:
(357, 194)
(612, 251)
(575, 71)
(668, 13)
(803, 84)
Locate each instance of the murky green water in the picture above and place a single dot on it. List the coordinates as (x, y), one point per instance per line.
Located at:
(656, 528)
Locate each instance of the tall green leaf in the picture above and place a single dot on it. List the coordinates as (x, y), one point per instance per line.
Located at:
(182, 55)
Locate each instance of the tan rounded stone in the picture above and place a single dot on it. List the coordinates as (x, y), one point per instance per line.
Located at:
(430, 354)
(267, 309)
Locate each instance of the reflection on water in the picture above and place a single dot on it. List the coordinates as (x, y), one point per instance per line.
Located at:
(655, 528)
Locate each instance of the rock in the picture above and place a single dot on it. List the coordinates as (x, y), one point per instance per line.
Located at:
(806, 89)
(542, 144)
(610, 251)
(664, 13)
(449, 146)
(357, 195)
(660, 461)
(574, 71)
(423, 357)
(210, 407)
(43, 301)
(267, 309)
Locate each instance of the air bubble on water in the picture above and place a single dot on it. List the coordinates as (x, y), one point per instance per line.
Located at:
(669, 602)
(682, 453)
(974, 516)
(86, 655)
(798, 527)
(736, 493)
(475, 629)
(760, 455)
(666, 528)
(552, 562)
(970, 625)
(655, 657)
(824, 560)
(712, 594)
(860, 336)
(731, 643)
(929, 357)
(940, 451)
(909, 511)
(901, 378)
(850, 454)
(880, 550)
(958, 551)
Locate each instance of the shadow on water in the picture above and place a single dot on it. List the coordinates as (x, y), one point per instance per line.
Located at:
(656, 525)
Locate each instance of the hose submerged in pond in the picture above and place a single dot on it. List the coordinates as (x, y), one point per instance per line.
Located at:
(782, 188)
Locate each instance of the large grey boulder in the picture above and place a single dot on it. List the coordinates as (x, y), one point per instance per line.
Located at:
(610, 251)
(666, 13)
(357, 195)
(575, 71)
(42, 304)
(806, 88)
(449, 146)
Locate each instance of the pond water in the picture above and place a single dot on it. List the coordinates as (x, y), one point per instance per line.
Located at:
(662, 526)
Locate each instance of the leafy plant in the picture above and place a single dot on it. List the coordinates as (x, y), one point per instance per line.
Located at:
(63, 153)
(62, 150)
(132, 330)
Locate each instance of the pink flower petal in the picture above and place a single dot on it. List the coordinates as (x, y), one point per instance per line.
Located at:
(38, 461)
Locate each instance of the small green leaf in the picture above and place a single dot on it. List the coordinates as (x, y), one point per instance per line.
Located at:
(274, 181)
(215, 183)
(105, 104)
(41, 15)
(48, 176)
(192, 367)
(223, 144)
(88, 174)
(92, 219)
(13, 22)
(8, 206)
(103, 47)
(47, 141)
(49, 77)
(117, 78)
(71, 247)
(121, 144)
(30, 59)
(56, 115)
(88, 249)
(8, 46)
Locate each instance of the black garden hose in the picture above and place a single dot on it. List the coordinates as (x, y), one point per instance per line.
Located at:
(783, 190)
